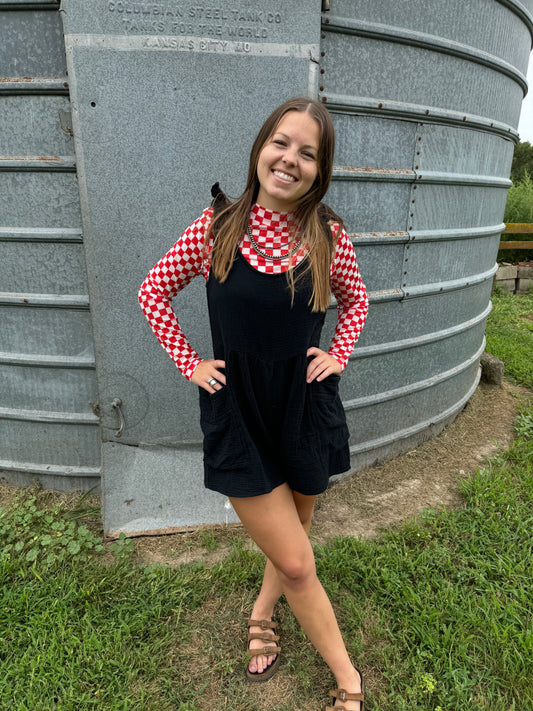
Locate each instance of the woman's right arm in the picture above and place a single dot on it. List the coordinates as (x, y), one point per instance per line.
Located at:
(173, 272)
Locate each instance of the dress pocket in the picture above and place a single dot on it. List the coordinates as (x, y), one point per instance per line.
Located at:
(223, 445)
(328, 412)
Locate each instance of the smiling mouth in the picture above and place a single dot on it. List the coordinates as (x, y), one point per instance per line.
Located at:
(284, 176)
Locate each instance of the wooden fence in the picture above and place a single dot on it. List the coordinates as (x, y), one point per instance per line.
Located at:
(517, 228)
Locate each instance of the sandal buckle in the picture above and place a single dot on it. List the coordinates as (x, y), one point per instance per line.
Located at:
(341, 695)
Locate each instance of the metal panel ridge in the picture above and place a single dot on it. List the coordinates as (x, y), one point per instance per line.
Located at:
(361, 28)
(416, 112)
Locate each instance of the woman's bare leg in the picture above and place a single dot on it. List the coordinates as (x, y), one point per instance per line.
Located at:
(287, 546)
(271, 589)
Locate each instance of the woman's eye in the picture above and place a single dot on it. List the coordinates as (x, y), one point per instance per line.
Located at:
(278, 142)
(309, 155)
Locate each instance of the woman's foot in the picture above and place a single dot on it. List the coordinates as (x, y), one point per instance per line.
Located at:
(261, 636)
(350, 694)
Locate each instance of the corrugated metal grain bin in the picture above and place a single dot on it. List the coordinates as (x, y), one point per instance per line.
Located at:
(48, 429)
(166, 99)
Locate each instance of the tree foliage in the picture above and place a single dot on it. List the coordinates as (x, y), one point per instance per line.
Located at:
(522, 161)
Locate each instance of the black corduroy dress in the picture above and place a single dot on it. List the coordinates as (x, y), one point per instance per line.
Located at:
(268, 425)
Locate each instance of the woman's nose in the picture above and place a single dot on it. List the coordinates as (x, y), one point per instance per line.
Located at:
(290, 156)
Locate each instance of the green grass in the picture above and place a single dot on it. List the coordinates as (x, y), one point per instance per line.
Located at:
(518, 208)
(437, 612)
(510, 334)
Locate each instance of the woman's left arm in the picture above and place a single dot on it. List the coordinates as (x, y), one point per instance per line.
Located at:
(352, 300)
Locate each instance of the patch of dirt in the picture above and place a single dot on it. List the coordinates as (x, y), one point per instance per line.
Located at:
(399, 489)
(426, 477)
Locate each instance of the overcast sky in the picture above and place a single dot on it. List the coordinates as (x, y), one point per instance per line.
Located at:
(525, 127)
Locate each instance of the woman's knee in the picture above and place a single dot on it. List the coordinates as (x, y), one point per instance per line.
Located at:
(296, 572)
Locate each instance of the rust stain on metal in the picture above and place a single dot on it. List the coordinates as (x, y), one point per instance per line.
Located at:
(16, 79)
(40, 158)
(113, 535)
(357, 235)
(379, 171)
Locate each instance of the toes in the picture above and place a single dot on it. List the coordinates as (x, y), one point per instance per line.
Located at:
(260, 663)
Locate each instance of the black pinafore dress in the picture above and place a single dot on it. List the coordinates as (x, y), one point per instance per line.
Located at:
(268, 426)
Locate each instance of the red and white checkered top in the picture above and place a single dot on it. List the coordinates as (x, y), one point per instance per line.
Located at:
(188, 258)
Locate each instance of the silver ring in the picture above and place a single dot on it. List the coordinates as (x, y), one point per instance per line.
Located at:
(212, 382)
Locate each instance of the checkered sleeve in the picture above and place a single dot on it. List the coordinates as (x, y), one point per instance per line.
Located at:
(352, 300)
(171, 274)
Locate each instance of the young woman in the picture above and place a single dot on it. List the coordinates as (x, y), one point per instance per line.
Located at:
(273, 423)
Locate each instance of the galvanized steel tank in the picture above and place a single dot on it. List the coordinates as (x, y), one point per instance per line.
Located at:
(425, 97)
(48, 429)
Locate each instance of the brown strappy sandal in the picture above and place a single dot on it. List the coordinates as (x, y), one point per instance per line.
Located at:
(343, 695)
(266, 636)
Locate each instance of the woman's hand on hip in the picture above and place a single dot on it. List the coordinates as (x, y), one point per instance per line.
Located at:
(209, 370)
(322, 365)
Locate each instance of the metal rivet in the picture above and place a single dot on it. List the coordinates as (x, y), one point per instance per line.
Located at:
(327, 21)
(93, 103)
(380, 106)
(420, 138)
(321, 88)
(322, 71)
(416, 167)
(322, 54)
(324, 99)
(427, 112)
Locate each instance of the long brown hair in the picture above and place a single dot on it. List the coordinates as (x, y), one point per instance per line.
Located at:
(311, 216)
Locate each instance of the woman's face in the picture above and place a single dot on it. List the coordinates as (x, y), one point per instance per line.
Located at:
(288, 162)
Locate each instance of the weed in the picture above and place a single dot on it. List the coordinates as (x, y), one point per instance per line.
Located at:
(45, 536)
(123, 547)
(208, 539)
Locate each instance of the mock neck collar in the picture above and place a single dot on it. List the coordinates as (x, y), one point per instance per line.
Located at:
(261, 213)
